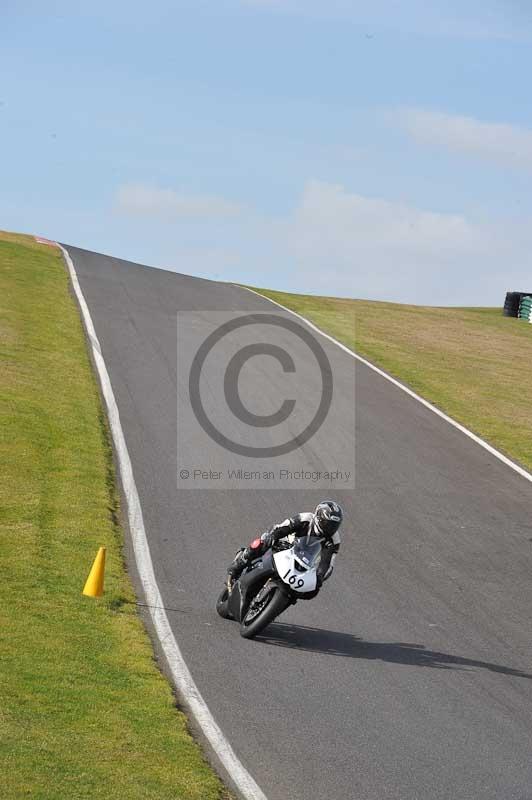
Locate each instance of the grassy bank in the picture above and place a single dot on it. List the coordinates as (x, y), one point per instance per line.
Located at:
(85, 712)
(472, 363)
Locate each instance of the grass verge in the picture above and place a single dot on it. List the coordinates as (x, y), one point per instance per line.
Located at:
(85, 712)
(473, 363)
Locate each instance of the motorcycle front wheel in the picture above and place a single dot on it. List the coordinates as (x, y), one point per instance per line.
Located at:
(263, 611)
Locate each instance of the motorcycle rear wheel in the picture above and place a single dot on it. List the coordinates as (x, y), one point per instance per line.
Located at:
(254, 623)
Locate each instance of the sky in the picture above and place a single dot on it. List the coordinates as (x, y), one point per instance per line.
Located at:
(377, 150)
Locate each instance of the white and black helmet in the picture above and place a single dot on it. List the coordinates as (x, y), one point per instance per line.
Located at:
(327, 518)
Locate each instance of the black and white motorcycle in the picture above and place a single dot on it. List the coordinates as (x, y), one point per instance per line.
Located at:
(286, 573)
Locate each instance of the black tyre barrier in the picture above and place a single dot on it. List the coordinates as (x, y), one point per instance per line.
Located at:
(512, 302)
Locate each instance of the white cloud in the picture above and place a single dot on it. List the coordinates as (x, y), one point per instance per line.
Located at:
(339, 242)
(343, 217)
(508, 145)
(347, 244)
(166, 204)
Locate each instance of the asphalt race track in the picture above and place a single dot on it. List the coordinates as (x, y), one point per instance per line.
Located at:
(410, 676)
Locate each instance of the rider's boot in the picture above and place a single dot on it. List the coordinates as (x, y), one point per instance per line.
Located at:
(241, 561)
(237, 566)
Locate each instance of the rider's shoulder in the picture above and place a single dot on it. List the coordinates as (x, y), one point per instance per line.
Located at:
(305, 516)
(335, 539)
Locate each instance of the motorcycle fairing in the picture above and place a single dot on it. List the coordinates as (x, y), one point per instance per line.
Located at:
(247, 586)
(299, 581)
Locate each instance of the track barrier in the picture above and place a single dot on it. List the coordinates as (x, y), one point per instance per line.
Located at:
(516, 302)
(525, 309)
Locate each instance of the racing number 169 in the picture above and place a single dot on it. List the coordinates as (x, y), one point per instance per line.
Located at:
(297, 583)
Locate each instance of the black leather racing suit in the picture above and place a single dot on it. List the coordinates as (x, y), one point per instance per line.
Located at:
(296, 526)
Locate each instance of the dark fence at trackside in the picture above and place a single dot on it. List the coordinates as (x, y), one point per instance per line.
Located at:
(517, 304)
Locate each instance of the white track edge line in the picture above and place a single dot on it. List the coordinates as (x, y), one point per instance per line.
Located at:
(494, 452)
(178, 668)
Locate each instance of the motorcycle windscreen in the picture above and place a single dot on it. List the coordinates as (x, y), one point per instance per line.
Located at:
(307, 550)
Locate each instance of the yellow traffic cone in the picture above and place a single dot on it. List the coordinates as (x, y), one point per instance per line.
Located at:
(94, 583)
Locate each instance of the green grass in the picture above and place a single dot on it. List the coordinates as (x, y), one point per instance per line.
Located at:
(85, 712)
(472, 363)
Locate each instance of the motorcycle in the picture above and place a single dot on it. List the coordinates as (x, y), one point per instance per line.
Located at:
(286, 573)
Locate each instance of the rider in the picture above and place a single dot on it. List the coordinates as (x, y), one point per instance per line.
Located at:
(323, 523)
